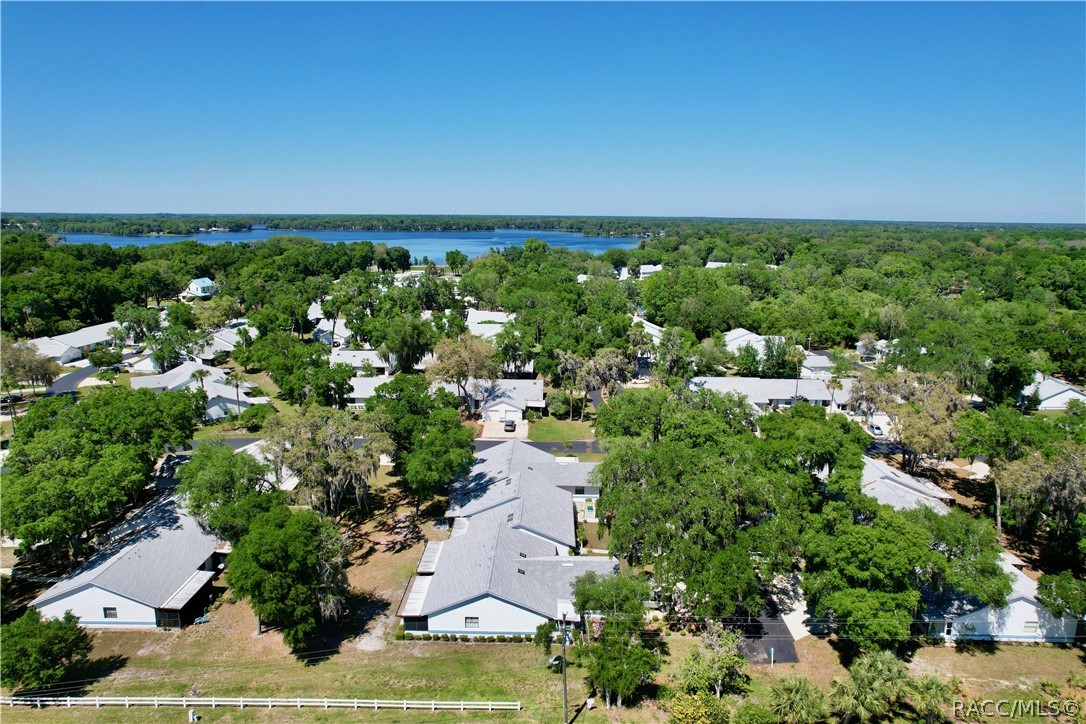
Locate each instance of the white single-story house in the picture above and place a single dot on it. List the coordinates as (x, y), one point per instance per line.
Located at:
(738, 338)
(407, 278)
(363, 388)
(655, 331)
(225, 340)
(487, 324)
(88, 338)
(878, 348)
(817, 366)
(502, 399)
(222, 399)
(332, 334)
(324, 332)
(285, 479)
(648, 270)
(775, 393)
(951, 614)
(1023, 619)
(74, 345)
(1053, 394)
(358, 358)
(901, 491)
(54, 350)
(505, 567)
(202, 287)
(157, 571)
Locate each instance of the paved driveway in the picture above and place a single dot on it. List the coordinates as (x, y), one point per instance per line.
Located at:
(769, 633)
(495, 430)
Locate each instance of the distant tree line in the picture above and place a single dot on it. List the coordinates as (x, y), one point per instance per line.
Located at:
(185, 224)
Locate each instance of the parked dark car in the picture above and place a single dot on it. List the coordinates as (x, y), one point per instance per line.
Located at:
(510, 425)
(8, 399)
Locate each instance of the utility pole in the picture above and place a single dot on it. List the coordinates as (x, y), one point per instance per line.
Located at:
(565, 690)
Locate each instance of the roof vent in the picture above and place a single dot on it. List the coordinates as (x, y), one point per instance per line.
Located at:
(509, 518)
(520, 571)
(523, 555)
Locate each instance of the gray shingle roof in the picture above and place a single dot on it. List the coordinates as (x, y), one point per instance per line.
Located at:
(153, 556)
(487, 560)
(760, 391)
(899, 490)
(513, 523)
(88, 336)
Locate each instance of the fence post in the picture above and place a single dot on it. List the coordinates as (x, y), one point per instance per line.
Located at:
(39, 703)
(126, 705)
(97, 702)
(212, 702)
(299, 703)
(461, 705)
(269, 702)
(69, 702)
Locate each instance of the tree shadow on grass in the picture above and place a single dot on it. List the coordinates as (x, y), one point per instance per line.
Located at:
(975, 646)
(360, 612)
(79, 677)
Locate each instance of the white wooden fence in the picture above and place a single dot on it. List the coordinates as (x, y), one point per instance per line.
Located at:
(256, 703)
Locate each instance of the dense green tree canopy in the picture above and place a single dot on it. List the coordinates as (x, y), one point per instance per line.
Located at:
(39, 652)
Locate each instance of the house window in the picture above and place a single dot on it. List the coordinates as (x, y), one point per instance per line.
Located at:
(109, 613)
(949, 631)
(471, 622)
(1030, 627)
(578, 491)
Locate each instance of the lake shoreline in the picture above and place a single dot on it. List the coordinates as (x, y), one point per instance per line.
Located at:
(421, 244)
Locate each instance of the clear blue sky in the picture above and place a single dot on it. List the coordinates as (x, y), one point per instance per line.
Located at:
(912, 111)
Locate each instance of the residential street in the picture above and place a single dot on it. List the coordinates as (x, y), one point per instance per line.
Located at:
(68, 383)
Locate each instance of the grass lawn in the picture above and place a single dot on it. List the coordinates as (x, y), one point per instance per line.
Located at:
(1002, 671)
(223, 428)
(550, 429)
(597, 536)
(357, 658)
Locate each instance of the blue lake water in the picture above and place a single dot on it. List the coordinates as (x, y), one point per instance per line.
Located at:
(433, 244)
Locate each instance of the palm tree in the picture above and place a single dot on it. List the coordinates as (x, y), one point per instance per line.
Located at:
(929, 695)
(233, 378)
(834, 385)
(884, 672)
(798, 701)
(850, 699)
(200, 376)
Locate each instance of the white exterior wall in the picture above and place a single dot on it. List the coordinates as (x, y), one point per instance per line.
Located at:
(87, 603)
(1009, 624)
(1059, 402)
(587, 504)
(495, 617)
(502, 412)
